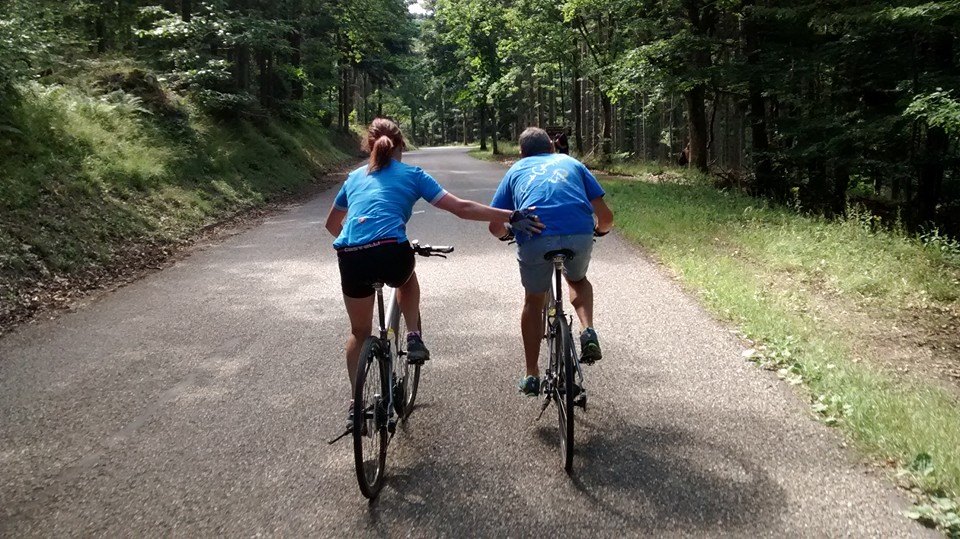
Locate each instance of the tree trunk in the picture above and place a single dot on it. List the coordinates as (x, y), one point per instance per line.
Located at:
(264, 79)
(931, 174)
(607, 107)
(563, 99)
(496, 129)
(241, 68)
(296, 61)
(816, 189)
(100, 27)
(765, 183)
(443, 118)
(483, 126)
(413, 125)
(186, 10)
(577, 99)
(697, 127)
(841, 182)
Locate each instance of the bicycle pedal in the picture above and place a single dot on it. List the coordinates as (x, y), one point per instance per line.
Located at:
(581, 401)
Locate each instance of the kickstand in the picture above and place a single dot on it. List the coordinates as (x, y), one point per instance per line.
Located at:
(546, 402)
(338, 438)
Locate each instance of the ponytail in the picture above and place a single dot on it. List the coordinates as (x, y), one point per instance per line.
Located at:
(380, 154)
(383, 139)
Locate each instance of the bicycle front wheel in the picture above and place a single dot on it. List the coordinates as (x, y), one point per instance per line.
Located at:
(407, 375)
(370, 418)
(564, 390)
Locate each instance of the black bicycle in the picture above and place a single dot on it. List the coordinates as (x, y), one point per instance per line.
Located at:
(386, 387)
(562, 383)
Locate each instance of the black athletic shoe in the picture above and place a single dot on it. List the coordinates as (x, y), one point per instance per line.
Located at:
(363, 426)
(417, 352)
(350, 416)
(589, 347)
(529, 386)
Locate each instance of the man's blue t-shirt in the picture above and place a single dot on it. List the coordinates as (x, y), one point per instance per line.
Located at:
(558, 185)
(379, 205)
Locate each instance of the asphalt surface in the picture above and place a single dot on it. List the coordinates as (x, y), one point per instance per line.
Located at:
(199, 400)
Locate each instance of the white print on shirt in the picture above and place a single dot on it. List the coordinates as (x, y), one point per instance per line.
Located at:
(558, 175)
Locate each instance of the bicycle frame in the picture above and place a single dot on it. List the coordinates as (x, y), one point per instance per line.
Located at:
(389, 318)
(556, 298)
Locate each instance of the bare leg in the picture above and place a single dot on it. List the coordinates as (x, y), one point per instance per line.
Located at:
(531, 327)
(360, 312)
(408, 296)
(581, 297)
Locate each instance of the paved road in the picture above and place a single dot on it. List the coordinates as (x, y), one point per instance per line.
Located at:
(199, 399)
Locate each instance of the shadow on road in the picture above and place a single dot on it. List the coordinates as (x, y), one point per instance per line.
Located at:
(641, 473)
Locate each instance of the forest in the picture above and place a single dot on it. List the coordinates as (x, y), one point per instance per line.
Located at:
(820, 105)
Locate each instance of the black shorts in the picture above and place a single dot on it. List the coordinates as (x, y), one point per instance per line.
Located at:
(387, 262)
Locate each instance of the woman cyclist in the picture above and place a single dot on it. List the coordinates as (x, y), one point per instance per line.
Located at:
(369, 217)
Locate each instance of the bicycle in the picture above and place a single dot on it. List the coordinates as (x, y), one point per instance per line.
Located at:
(563, 380)
(385, 389)
(564, 364)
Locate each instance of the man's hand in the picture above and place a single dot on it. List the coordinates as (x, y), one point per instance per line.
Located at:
(508, 235)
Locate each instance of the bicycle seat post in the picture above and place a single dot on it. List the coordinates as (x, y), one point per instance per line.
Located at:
(558, 261)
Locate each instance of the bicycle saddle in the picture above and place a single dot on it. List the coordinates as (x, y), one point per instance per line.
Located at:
(565, 253)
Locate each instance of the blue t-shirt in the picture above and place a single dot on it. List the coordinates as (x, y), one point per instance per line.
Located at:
(558, 185)
(379, 205)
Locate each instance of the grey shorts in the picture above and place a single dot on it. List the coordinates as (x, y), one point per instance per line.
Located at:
(536, 272)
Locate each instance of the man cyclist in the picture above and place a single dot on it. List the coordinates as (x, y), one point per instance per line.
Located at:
(567, 198)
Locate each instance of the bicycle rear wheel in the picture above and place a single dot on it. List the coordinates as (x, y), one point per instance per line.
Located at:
(370, 418)
(564, 390)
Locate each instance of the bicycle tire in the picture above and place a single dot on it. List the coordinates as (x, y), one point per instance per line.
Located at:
(370, 419)
(564, 391)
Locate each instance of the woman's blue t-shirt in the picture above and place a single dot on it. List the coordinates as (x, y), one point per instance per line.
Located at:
(558, 185)
(379, 205)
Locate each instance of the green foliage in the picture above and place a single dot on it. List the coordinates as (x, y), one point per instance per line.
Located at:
(91, 178)
(938, 109)
(32, 39)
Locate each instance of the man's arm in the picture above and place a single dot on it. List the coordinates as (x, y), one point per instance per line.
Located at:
(335, 221)
(603, 213)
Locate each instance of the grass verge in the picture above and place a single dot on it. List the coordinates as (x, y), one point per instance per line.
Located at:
(509, 151)
(92, 180)
(781, 277)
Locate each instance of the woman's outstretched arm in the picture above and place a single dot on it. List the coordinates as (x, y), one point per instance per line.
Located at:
(472, 211)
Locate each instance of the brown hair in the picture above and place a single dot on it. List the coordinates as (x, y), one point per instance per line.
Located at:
(383, 137)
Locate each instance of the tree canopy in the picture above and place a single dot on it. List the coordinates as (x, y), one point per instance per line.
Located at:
(816, 104)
